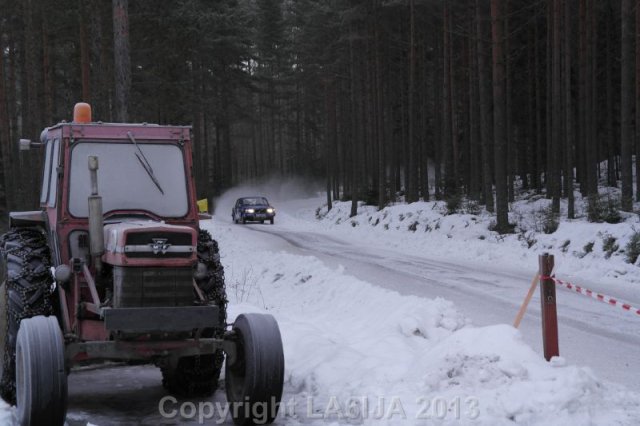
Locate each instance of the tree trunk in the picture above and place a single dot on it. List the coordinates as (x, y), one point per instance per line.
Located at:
(556, 102)
(448, 140)
(484, 80)
(529, 160)
(568, 112)
(612, 180)
(382, 173)
(626, 104)
(637, 123)
(475, 175)
(32, 115)
(511, 141)
(354, 133)
(539, 164)
(502, 202)
(412, 187)
(582, 146)
(84, 52)
(329, 126)
(592, 129)
(122, 60)
(47, 79)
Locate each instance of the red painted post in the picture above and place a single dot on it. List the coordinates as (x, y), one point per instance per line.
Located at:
(548, 307)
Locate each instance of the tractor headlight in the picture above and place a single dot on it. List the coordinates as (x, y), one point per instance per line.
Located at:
(249, 211)
(270, 210)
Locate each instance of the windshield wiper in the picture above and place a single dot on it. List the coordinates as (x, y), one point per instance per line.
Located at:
(144, 162)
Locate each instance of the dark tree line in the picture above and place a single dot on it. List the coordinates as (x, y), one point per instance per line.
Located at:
(424, 98)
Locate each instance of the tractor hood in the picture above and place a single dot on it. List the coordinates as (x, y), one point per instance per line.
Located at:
(149, 243)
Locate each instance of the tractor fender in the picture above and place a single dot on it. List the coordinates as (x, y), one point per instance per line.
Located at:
(31, 219)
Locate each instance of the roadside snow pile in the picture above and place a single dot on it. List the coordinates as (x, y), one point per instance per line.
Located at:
(359, 354)
(514, 384)
(593, 249)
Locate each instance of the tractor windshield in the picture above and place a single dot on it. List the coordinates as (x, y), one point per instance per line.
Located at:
(124, 184)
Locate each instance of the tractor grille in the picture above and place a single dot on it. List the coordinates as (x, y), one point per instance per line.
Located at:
(173, 238)
(152, 287)
(180, 242)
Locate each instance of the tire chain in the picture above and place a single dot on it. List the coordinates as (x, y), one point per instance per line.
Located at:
(213, 285)
(27, 245)
(213, 288)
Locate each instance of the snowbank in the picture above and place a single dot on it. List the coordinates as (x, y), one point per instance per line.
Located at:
(359, 354)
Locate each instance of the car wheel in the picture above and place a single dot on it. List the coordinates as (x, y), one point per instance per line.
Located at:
(271, 220)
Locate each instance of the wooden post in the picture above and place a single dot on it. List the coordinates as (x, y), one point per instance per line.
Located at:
(548, 307)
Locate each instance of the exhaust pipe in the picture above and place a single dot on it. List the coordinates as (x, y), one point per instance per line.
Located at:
(96, 226)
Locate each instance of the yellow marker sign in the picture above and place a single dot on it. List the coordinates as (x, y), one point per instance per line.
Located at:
(203, 206)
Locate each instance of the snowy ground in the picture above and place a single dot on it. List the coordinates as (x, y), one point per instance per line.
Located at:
(349, 338)
(389, 326)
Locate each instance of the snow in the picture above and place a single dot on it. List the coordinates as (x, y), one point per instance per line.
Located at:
(6, 413)
(358, 353)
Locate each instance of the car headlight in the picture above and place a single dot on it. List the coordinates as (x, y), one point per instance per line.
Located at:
(249, 211)
(270, 210)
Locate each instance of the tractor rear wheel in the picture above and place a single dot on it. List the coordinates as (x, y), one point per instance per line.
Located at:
(254, 378)
(41, 378)
(198, 375)
(25, 291)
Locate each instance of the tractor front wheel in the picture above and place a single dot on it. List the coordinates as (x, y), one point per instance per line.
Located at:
(41, 378)
(254, 375)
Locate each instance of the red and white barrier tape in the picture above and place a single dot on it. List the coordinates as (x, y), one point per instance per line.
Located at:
(601, 297)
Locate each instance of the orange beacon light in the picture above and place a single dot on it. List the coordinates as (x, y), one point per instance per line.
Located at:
(82, 113)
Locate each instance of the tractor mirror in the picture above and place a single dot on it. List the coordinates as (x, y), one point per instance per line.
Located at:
(27, 144)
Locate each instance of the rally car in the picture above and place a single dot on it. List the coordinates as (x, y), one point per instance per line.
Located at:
(253, 209)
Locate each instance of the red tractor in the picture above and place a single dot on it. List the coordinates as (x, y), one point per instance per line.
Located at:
(116, 267)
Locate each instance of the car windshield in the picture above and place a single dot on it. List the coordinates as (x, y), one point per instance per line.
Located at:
(255, 201)
(124, 184)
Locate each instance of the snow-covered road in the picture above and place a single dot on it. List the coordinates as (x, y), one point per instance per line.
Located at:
(591, 333)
